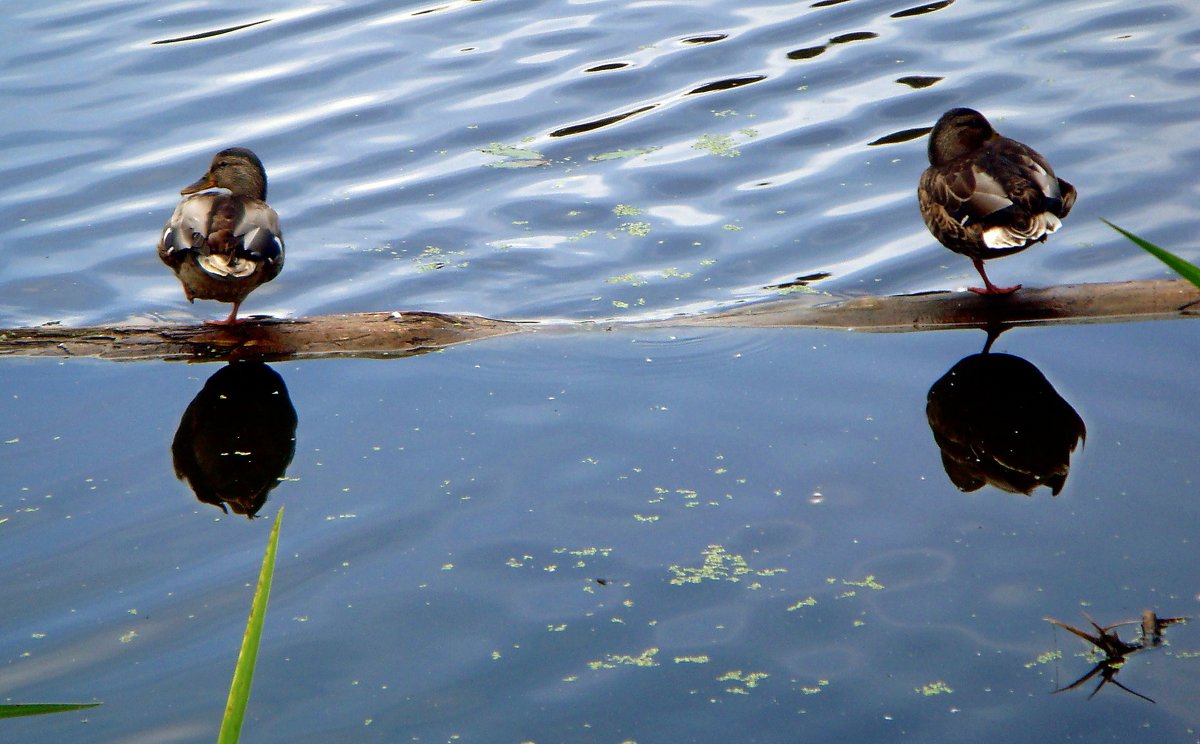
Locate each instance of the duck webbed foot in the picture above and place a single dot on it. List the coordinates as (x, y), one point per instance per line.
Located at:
(989, 288)
(232, 320)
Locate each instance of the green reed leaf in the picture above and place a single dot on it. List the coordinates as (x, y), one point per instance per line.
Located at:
(243, 674)
(1186, 269)
(41, 709)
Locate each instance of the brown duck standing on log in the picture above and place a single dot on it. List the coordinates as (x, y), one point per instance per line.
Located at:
(987, 196)
(222, 246)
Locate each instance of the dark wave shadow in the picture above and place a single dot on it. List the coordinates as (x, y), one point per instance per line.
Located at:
(236, 438)
(210, 34)
(998, 421)
(922, 9)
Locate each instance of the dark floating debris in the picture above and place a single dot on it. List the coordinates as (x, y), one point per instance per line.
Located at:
(705, 39)
(609, 66)
(807, 52)
(208, 34)
(853, 36)
(726, 84)
(801, 281)
(922, 9)
(904, 135)
(588, 126)
(1115, 650)
(827, 3)
(919, 81)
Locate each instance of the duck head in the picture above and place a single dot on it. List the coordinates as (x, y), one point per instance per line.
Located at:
(236, 169)
(960, 131)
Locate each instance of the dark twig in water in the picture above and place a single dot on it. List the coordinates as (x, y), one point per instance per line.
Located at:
(1115, 650)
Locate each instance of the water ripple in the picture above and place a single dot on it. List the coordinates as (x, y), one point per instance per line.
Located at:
(511, 160)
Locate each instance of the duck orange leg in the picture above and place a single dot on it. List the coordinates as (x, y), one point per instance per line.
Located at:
(231, 320)
(989, 288)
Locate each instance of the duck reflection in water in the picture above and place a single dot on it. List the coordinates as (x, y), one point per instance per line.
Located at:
(236, 438)
(999, 421)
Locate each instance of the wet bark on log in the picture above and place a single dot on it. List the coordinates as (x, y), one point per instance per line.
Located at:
(378, 335)
(389, 335)
(1112, 302)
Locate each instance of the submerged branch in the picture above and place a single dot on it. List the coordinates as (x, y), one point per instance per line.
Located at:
(1113, 302)
(387, 335)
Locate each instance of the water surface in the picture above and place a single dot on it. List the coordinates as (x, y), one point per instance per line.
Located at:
(536, 538)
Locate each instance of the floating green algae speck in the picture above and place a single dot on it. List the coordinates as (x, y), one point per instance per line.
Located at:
(867, 583)
(934, 688)
(1044, 658)
(612, 661)
(698, 659)
(809, 601)
(626, 210)
(720, 145)
(619, 154)
(501, 150)
(719, 565)
(633, 280)
(748, 680)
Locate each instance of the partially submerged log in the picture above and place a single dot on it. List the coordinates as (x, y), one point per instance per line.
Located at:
(379, 335)
(388, 335)
(1113, 302)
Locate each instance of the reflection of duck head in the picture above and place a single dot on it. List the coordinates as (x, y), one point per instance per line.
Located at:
(999, 421)
(237, 437)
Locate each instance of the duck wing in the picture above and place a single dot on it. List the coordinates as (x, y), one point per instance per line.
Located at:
(949, 199)
(226, 235)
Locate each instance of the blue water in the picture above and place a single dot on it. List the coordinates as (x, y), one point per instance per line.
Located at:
(448, 521)
(479, 543)
(376, 121)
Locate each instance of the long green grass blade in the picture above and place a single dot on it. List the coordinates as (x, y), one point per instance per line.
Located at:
(1186, 269)
(41, 709)
(243, 674)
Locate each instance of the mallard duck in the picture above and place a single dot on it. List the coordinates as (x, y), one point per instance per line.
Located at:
(987, 196)
(222, 246)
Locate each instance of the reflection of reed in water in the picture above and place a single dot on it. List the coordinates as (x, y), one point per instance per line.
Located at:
(236, 438)
(999, 421)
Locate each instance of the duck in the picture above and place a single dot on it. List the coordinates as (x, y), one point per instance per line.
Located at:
(987, 196)
(224, 245)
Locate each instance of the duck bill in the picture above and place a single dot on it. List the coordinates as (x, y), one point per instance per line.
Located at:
(205, 182)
